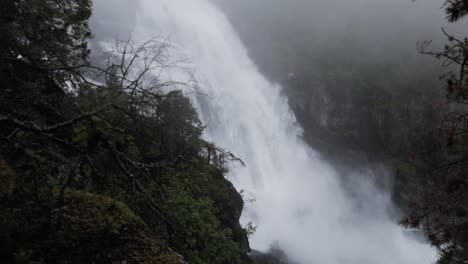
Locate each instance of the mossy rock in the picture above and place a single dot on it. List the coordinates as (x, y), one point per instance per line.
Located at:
(81, 227)
(7, 179)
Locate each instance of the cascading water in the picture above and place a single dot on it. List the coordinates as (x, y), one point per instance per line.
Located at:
(299, 202)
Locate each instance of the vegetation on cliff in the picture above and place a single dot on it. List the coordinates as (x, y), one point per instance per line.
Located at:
(103, 164)
(440, 207)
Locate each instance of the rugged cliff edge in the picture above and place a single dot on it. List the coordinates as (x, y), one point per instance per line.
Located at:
(104, 170)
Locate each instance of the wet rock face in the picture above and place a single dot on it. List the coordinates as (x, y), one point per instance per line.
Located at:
(229, 215)
(274, 256)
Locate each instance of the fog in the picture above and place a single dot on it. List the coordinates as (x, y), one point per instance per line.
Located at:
(374, 31)
(112, 20)
(300, 203)
(354, 40)
(275, 29)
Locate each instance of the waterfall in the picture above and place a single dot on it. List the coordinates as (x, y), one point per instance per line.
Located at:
(292, 195)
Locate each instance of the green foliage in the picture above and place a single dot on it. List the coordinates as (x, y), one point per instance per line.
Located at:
(77, 227)
(46, 33)
(201, 193)
(7, 179)
(192, 194)
(180, 120)
(101, 173)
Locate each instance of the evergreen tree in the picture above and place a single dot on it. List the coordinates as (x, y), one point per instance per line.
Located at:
(102, 170)
(442, 208)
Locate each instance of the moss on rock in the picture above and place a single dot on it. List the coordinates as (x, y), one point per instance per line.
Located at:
(81, 227)
(7, 179)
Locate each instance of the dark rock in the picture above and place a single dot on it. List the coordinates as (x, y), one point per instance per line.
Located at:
(230, 213)
(274, 256)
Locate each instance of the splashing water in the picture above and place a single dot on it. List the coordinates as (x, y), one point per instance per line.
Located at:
(299, 202)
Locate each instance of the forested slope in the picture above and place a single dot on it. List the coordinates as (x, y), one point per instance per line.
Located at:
(103, 165)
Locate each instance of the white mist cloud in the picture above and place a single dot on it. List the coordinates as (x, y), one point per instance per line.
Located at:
(300, 203)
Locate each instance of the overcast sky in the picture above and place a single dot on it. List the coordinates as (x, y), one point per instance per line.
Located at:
(274, 28)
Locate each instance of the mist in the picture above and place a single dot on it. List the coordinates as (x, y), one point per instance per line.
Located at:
(243, 50)
(234, 131)
(301, 44)
(278, 32)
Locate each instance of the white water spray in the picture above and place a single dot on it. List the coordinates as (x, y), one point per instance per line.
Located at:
(299, 202)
